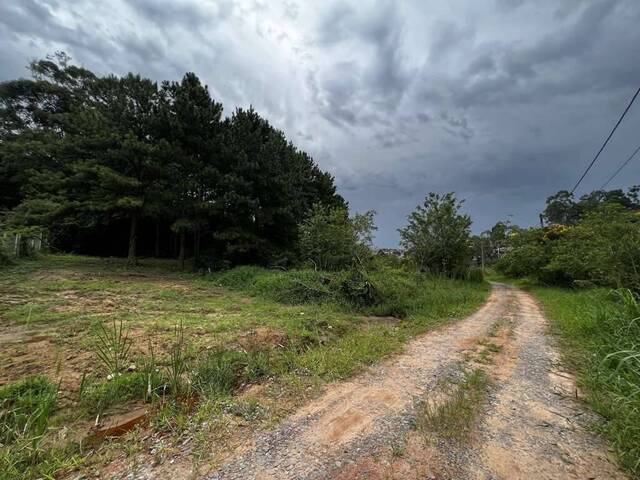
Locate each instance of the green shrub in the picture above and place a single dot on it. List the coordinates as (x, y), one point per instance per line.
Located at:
(295, 287)
(475, 274)
(602, 248)
(5, 258)
(239, 277)
(357, 289)
(332, 241)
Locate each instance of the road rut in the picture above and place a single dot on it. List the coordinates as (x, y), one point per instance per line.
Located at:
(533, 426)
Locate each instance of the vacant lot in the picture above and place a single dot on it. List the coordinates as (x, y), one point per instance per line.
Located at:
(210, 358)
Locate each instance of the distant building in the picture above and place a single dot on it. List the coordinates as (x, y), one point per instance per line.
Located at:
(395, 252)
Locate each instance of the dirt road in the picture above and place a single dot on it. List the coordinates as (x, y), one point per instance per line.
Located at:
(532, 425)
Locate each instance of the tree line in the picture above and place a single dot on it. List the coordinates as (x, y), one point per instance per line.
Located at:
(113, 164)
(594, 240)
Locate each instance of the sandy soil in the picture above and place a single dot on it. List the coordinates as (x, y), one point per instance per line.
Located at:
(532, 427)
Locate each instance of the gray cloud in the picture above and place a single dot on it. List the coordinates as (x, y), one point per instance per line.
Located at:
(503, 102)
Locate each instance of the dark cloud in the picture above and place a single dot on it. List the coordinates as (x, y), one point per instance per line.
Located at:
(504, 102)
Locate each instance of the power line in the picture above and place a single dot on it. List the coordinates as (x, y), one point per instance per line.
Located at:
(624, 164)
(606, 141)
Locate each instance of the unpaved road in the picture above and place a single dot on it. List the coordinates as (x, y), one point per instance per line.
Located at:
(531, 428)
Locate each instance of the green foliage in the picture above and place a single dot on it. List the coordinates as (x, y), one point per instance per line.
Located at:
(562, 208)
(178, 364)
(25, 411)
(112, 345)
(96, 158)
(438, 237)
(384, 289)
(218, 373)
(5, 258)
(357, 289)
(475, 275)
(600, 331)
(603, 248)
(333, 241)
(454, 417)
(98, 395)
(25, 408)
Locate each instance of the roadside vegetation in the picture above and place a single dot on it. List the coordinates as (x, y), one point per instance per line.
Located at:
(206, 356)
(600, 332)
(584, 267)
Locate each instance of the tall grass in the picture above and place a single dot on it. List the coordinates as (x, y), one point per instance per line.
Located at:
(26, 408)
(601, 332)
(380, 290)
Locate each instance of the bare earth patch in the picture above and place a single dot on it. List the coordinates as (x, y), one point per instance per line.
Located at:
(532, 427)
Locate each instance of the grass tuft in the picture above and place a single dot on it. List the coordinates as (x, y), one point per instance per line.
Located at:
(454, 418)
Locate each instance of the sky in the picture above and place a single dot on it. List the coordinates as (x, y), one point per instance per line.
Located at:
(503, 102)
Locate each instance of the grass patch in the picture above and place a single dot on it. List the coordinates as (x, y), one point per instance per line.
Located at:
(454, 417)
(152, 331)
(26, 408)
(599, 331)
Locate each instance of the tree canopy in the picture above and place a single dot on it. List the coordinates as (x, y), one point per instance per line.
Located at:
(438, 236)
(563, 209)
(101, 162)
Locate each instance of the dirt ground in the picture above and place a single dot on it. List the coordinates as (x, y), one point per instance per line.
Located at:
(533, 425)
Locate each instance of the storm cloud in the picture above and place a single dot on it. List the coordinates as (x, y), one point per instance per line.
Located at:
(503, 102)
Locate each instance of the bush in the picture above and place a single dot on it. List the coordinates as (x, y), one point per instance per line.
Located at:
(357, 289)
(333, 241)
(387, 288)
(475, 274)
(5, 258)
(603, 248)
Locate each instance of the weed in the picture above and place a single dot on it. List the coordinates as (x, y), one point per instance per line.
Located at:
(454, 418)
(178, 365)
(98, 396)
(25, 408)
(172, 416)
(217, 373)
(257, 365)
(498, 325)
(112, 347)
(250, 410)
(398, 449)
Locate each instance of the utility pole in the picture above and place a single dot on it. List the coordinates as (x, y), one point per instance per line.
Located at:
(482, 252)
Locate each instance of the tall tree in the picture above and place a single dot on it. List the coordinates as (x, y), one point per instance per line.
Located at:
(191, 119)
(438, 236)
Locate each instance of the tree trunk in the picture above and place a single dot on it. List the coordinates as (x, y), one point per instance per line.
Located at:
(182, 246)
(157, 247)
(196, 246)
(133, 238)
